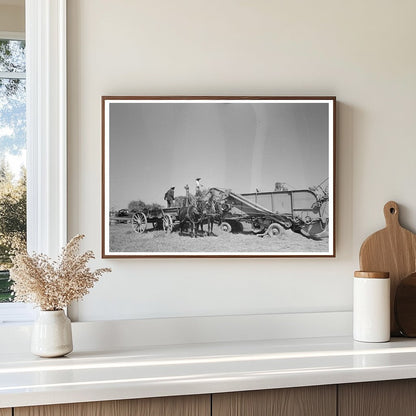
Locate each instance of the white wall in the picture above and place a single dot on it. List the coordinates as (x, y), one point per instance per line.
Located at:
(361, 51)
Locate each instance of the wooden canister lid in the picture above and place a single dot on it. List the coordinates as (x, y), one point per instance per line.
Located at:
(372, 275)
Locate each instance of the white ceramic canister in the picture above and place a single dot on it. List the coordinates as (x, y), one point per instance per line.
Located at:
(371, 309)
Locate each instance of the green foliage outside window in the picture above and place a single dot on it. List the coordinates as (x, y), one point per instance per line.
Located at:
(12, 148)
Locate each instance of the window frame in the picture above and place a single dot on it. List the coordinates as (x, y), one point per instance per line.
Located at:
(12, 35)
(46, 121)
(46, 125)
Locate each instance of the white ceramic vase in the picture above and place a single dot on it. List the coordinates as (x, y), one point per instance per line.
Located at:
(52, 334)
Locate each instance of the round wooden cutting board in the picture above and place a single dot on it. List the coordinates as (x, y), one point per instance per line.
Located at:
(392, 250)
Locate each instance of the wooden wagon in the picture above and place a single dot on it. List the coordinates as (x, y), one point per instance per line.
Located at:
(159, 218)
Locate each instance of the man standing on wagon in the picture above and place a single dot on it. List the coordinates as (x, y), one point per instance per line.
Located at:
(170, 196)
(198, 188)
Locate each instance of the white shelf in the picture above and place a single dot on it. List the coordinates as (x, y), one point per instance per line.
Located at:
(168, 370)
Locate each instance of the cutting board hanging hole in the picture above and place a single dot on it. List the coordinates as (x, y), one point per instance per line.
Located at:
(391, 213)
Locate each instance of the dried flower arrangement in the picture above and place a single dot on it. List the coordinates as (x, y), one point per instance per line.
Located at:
(52, 285)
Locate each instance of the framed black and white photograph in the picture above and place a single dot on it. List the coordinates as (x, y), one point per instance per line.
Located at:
(218, 176)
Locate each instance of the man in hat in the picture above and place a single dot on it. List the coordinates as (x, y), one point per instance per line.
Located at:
(198, 190)
(170, 196)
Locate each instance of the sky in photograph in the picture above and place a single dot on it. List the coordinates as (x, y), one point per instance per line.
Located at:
(238, 146)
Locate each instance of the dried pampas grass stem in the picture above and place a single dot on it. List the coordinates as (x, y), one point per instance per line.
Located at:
(53, 285)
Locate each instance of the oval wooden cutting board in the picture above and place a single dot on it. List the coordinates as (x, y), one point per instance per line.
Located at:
(392, 250)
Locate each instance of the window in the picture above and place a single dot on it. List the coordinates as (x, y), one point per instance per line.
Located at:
(46, 135)
(12, 155)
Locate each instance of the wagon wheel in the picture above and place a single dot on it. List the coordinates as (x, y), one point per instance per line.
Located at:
(225, 227)
(167, 223)
(274, 230)
(139, 222)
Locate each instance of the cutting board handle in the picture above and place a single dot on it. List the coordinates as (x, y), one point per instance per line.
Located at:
(391, 214)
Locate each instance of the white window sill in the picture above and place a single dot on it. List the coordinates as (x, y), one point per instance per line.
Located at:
(16, 314)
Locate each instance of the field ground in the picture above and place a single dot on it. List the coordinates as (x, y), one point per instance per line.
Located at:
(124, 239)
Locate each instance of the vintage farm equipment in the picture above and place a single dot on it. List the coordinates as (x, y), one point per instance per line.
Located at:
(122, 216)
(160, 218)
(167, 218)
(302, 211)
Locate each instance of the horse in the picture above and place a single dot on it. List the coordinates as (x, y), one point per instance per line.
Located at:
(189, 215)
(206, 208)
(213, 210)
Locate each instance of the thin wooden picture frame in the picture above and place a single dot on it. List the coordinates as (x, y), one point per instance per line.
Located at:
(256, 173)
